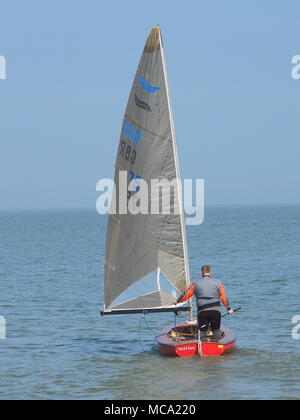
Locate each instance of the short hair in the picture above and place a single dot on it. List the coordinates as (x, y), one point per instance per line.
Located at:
(206, 269)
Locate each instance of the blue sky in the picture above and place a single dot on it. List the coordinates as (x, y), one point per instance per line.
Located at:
(70, 66)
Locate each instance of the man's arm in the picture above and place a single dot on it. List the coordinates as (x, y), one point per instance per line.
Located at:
(224, 299)
(187, 294)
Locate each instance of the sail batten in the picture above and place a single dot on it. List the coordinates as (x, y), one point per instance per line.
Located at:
(136, 245)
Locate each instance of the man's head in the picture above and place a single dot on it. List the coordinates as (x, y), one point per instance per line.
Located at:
(206, 270)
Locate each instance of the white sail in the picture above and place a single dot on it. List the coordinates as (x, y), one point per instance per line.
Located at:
(136, 245)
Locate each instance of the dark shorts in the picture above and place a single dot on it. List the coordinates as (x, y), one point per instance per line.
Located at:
(209, 318)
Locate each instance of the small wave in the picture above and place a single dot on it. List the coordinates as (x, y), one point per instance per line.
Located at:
(272, 356)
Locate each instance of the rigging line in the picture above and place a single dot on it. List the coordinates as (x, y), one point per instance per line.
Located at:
(140, 340)
(154, 342)
(143, 316)
(222, 316)
(148, 325)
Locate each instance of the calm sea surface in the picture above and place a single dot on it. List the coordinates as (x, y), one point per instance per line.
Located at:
(57, 346)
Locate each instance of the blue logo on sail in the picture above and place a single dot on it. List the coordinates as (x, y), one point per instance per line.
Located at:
(141, 104)
(147, 86)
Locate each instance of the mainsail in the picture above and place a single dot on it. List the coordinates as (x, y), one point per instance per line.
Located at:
(137, 245)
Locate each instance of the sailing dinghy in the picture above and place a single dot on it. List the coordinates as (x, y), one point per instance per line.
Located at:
(149, 248)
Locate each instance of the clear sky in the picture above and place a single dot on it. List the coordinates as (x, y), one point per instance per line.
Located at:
(70, 66)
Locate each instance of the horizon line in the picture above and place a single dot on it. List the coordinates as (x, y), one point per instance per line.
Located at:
(90, 208)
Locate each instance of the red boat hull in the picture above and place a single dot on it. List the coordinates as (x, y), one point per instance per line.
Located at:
(186, 348)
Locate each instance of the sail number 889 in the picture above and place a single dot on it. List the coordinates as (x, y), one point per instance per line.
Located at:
(127, 152)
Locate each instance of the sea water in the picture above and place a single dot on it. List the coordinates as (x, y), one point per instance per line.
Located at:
(57, 346)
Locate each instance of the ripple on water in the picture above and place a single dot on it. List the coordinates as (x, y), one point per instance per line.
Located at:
(58, 346)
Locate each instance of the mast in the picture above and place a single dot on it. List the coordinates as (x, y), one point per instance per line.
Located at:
(186, 259)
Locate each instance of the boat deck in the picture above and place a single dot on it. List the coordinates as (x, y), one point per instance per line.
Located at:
(182, 341)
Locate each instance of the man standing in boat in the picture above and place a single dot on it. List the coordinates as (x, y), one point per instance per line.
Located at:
(209, 293)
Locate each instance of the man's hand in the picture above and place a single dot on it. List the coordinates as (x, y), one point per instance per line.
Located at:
(175, 302)
(230, 311)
